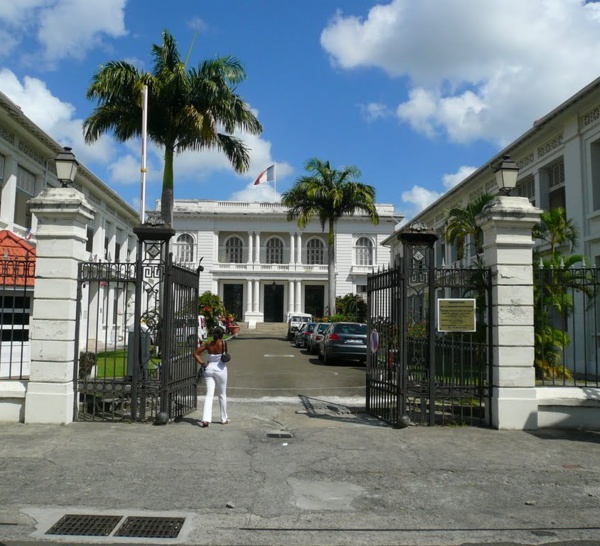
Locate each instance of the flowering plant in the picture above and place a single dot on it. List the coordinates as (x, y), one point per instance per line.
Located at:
(211, 306)
(417, 328)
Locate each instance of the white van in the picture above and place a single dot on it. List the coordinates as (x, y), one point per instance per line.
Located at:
(295, 321)
(202, 330)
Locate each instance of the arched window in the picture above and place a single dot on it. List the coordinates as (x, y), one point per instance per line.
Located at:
(274, 251)
(233, 250)
(364, 251)
(185, 248)
(314, 252)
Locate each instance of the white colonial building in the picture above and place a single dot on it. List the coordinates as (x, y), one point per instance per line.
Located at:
(559, 162)
(263, 266)
(27, 167)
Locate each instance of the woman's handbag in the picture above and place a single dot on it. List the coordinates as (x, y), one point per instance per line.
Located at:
(225, 356)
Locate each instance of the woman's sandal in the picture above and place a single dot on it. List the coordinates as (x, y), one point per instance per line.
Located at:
(204, 424)
(225, 422)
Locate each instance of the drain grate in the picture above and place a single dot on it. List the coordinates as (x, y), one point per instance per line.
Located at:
(84, 525)
(150, 527)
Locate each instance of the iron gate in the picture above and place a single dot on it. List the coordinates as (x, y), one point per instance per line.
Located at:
(421, 371)
(136, 330)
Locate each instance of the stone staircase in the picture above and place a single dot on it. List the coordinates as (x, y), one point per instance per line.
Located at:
(269, 328)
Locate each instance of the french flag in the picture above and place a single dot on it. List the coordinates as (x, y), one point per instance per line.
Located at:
(268, 175)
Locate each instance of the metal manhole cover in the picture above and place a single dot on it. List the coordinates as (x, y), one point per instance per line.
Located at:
(150, 527)
(84, 525)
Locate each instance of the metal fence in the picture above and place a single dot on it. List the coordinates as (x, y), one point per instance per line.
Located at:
(137, 329)
(17, 278)
(567, 326)
(418, 372)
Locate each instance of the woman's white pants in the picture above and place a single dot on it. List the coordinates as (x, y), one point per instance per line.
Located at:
(215, 374)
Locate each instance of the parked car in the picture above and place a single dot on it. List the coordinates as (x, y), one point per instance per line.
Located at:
(304, 333)
(344, 340)
(295, 320)
(312, 344)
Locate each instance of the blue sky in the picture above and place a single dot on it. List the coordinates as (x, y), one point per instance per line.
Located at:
(415, 94)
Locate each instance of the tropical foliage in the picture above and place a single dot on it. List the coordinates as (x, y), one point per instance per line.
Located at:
(461, 222)
(555, 229)
(189, 108)
(327, 194)
(353, 307)
(211, 306)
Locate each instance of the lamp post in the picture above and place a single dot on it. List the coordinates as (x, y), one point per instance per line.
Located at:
(66, 167)
(506, 175)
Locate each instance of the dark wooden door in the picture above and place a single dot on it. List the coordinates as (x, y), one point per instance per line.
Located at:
(273, 303)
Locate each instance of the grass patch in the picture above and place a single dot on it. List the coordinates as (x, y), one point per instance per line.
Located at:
(111, 364)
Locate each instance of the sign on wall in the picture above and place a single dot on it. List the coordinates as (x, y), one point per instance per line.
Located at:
(456, 315)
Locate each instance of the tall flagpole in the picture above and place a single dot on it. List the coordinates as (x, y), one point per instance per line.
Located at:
(275, 177)
(144, 139)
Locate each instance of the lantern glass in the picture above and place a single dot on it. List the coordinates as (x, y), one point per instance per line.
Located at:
(66, 166)
(506, 175)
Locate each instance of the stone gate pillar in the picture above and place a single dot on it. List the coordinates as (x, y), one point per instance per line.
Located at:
(63, 215)
(506, 224)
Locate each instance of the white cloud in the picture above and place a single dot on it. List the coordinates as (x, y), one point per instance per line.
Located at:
(63, 28)
(468, 63)
(451, 180)
(53, 116)
(419, 198)
(263, 193)
(375, 110)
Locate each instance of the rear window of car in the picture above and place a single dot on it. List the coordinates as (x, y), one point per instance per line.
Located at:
(360, 329)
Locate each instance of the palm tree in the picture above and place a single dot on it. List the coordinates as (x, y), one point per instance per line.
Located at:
(328, 194)
(462, 222)
(554, 228)
(189, 108)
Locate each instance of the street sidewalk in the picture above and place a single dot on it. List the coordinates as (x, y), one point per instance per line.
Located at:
(302, 471)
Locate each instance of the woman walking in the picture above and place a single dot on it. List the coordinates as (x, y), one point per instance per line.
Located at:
(215, 374)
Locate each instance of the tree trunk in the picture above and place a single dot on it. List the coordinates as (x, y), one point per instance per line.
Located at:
(167, 196)
(331, 274)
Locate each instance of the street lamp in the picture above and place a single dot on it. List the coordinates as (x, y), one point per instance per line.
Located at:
(506, 175)
(66, 167)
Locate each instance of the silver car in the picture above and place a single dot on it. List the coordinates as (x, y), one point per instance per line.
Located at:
(312, 343)
(304, 333)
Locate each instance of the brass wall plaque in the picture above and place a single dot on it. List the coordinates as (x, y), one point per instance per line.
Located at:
(456, 315)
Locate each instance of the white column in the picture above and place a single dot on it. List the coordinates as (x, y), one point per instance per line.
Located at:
(298, 305)
(250, 247)
(256, 294)
(61, 237)
(508, 245)
(292, 248)
(249, 296)
(299, 248)
(257, 250)
(291, 297)
(216, 247)
(9, 192)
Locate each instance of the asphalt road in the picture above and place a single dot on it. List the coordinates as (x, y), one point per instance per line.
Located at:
(264, 365)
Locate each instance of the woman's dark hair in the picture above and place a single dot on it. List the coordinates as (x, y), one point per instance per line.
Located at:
(218, 333)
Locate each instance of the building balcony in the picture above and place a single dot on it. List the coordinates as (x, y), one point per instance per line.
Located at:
(305, 269)
(362, 269)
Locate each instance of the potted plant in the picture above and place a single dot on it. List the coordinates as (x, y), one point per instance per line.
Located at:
(232, 326)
